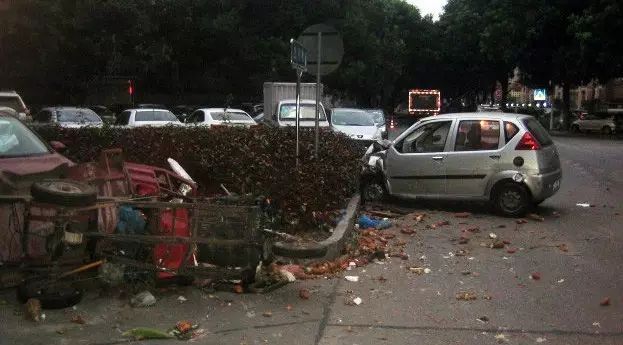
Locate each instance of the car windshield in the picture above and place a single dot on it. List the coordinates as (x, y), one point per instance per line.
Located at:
(351, 117)
(77, 115)
(11, 102)
(156, 115)
(16, 140)
(231, 116)
(377, 116)
(308, 112)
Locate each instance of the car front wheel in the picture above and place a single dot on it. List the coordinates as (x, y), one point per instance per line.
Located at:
(511, 199)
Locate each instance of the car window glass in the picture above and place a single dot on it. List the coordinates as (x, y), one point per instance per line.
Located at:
(308, 112)
(477, 135)
(16, 140)
(123, 118)
(230, 116)
(11, 102)
(156, 115)
(510, 130)
(197, 117)
(430, 137)
(77, 115)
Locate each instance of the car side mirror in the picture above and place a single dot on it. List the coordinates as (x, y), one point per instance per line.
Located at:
(58, 146)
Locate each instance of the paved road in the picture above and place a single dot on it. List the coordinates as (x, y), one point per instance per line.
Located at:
(562, 307)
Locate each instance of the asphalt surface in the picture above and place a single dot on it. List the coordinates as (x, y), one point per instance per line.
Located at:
(562, 307)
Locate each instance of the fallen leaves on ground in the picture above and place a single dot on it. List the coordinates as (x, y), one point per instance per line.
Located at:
(238, 288)
(563, 247)
(536, 217)
(78, 319)
(535, 276)
(466, 296)
(267, 313)
(521, 221)
(304, 294)
(407, 231)
(605, 302)
(462, 215)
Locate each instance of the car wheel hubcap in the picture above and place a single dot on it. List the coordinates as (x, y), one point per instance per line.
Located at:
(511, 200)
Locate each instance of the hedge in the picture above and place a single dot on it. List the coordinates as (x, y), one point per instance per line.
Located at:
(258, 160)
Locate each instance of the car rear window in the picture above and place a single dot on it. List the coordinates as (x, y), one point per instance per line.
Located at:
(538, 131)
(156, 115)
(230, 116)
(510, 130)
(11, 102)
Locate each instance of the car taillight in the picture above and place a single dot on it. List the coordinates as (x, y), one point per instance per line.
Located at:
(528, 142)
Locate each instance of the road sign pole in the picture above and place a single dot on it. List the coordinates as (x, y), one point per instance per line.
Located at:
(318, 63)
(299, 73)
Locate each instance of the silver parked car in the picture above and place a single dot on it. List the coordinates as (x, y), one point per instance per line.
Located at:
(604, 122)
(68, 117)
(508, 159)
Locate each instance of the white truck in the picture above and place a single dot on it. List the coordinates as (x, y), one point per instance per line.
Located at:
(280, 105)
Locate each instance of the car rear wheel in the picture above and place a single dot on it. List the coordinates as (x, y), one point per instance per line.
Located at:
(575, 129)
(511, 199)
(606, 130)
(373, 191)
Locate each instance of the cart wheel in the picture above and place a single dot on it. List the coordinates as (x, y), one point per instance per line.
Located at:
(63, 192)
(51, 294)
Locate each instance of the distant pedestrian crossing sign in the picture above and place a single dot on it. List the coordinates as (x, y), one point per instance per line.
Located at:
(540, 95)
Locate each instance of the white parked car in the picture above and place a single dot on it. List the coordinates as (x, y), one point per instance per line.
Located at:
(286, 110)
(357, 124)
(605, 123)
(146, 117)
(68, 117)
(220, 117)
(11, 99)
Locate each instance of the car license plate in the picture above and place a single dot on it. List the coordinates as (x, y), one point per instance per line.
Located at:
(556, 185)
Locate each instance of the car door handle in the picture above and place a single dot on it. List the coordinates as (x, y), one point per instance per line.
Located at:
(437, 158)
(494, 156)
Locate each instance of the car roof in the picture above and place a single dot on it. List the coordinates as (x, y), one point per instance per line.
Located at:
(303, 101)
(66, 108)
(220, 110)
(350, 109)
(8, 93)
(147, 109)
(483, 114)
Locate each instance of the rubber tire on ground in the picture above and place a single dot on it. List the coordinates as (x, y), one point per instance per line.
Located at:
(575, 129)
(606, 130)
(525, 201)
(62, 295)
(81, 195)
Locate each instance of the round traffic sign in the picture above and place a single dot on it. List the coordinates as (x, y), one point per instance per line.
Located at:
(331, 48)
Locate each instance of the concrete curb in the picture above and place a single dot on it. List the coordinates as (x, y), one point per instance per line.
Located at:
(328, 249)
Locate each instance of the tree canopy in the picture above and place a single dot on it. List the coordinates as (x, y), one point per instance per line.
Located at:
(53, 49)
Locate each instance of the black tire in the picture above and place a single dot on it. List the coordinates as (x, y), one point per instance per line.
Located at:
(52, 295)
(606, 130)
(511, 199)
(575, 129)
(63, 193)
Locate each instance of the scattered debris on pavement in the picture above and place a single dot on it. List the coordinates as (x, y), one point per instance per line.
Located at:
(605, 302)
(541, 340)
(535, 276)
(483, 319)
(267, 313)
(536, 217)
(181, 299)
(143, 299)
(563, 247)
(466, 296)
(407, 231)
(78, 319)
(354, 301)
(462, 215)
(353, 279)
(366, 222)
(501, 338)
(141, 333)
(493, 236)
(521, 221)
(33, 309)
(583, 204)
(304, 294)
(420, 270)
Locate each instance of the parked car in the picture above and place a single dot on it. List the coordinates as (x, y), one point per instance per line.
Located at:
(104, 113)
(378, 115)
(220, 116)
(146, 117)
(69, 117)
(12, 99)
(356, 123)
(22, 152)
(508, 159)
(183, 111)
(603, 122)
